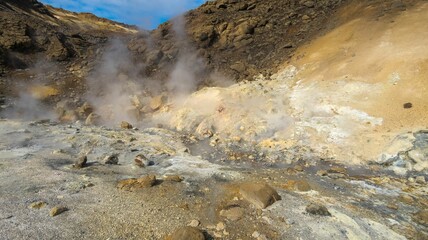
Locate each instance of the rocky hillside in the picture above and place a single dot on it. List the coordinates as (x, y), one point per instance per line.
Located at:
(237, 38)
(41, 39)
(240, 38)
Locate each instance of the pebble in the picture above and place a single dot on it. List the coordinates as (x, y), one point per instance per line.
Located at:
(57, 210)
(125, 125)
(81, 162)
(233, 214)
(112, 159)
(194, 223)
(173, 178)
(316, 209)
(255, 234)
(137, 183)
(220, 226)
(298, 168)
(37, 205)
(140, 160)
(392, 206)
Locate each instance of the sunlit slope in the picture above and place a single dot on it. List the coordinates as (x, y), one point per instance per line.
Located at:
(366, 69)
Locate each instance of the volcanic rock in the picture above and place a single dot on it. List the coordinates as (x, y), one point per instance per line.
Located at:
(298, 185)
(137, 183)
(111, 159)
(261, 195)
(57, 210)
(37, 205)
(316, 209)
(81, 162)
(194, 223)
(141, 160)
(125, 125)
(173, 178)
(233, 213)
(186, 233)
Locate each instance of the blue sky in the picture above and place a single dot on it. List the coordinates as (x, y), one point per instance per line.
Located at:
(147, 14)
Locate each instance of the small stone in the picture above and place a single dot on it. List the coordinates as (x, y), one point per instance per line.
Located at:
(255, 234)
(420, 180)
(132, 184)
(298, 168)
(421, 217)
(140, 160)
(316, 209)
(112, 159)
(233, 213)
(173, 178)
(407, 105)
(260, 195)
(309, 4)
(186, 233)
(194, 223)
(125, 125)
(220, 226)
(157, 102)
(81, 162)
(322, 173)
(37, 205)
(392, 206)
(305, 17)
(337, 169)
(57, 210)
(299, 185)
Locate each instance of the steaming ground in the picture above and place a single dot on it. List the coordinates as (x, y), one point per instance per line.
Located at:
(36, 166)
(344, 95)
(342, 124)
